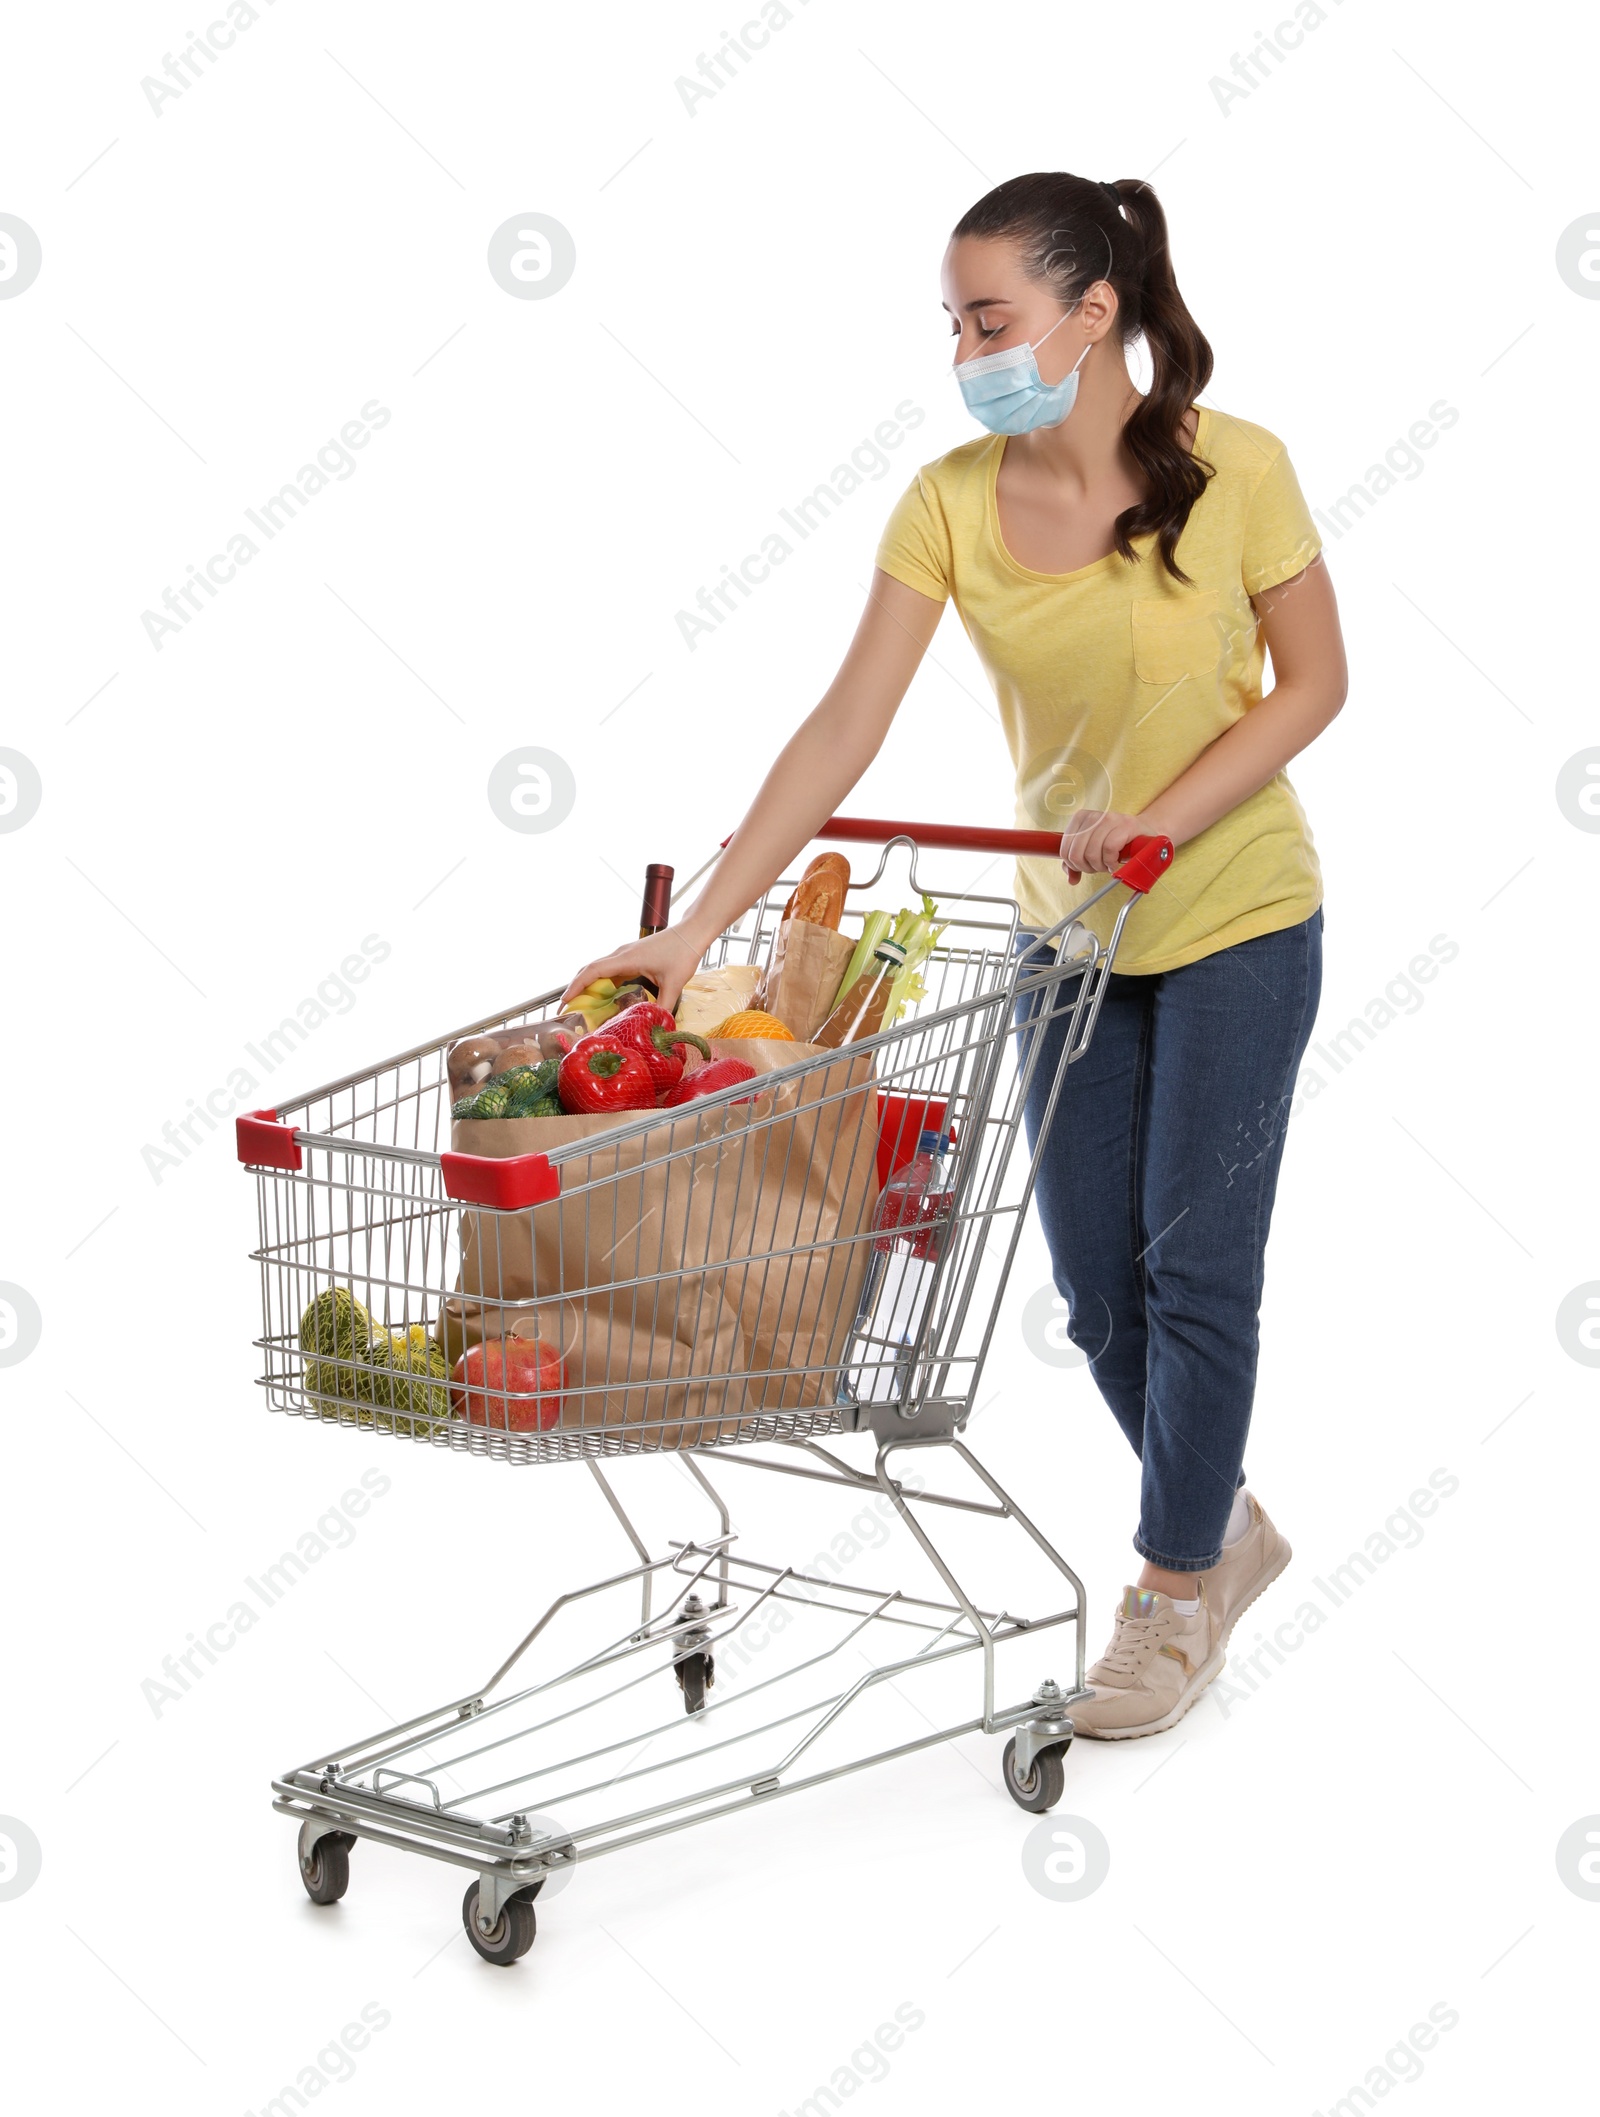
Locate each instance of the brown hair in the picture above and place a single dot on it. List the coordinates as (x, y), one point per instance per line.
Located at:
(1071, 235)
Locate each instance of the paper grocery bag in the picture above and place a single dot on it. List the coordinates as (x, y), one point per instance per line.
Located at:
(606, 1267)
(812, 1189)
(679, 1265)
(802, 979)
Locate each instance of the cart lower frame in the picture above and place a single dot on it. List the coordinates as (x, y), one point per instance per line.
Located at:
(355, 1791)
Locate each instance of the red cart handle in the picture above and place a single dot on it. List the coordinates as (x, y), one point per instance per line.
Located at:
(1145, 861)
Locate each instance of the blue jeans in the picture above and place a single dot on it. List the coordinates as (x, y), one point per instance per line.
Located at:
(1155, 1191)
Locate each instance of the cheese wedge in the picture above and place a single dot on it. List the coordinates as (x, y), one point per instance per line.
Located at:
(712, 995)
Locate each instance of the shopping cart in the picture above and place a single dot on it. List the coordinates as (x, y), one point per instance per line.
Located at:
(559, 1758)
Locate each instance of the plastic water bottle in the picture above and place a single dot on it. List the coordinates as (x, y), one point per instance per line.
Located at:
(909, 1230)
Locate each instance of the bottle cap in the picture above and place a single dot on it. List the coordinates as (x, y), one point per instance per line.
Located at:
(890, 952)
(933, 1142)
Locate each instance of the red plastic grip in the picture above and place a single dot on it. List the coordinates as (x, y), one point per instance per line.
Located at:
(264, 1143)
(508, 1184)
(1147, 858)
(959, 837)
(1146, 861)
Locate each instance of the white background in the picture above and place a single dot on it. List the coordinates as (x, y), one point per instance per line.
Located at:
(1369, 230)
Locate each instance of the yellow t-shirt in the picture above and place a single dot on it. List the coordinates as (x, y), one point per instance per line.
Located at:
(1113, 678)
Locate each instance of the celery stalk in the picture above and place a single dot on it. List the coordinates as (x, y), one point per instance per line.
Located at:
(918, 936)
(874, 926)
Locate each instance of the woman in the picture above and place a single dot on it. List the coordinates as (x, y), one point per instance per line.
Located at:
(1120, 563)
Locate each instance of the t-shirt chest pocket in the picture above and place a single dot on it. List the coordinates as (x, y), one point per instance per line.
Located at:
(1177, 636)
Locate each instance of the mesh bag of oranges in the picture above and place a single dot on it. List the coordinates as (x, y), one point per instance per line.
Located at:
(753, 1022)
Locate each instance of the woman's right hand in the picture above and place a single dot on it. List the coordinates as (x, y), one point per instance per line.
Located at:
(668, 959)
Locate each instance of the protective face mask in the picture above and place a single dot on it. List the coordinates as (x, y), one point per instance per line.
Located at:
(1004, 393)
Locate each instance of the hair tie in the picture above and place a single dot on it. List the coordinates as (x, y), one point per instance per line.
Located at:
(1113, 194)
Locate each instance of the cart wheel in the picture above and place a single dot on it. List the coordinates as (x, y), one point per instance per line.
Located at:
(1042, 1787)
(327, 1873)
(512, 1933)
(696, 1673)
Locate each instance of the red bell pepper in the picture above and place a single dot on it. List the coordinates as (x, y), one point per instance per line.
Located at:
(706, 1080)
(649, 1031)
(643, 1013)
(600, 1075)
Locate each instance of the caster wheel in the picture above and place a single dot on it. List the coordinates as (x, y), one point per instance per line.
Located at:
(1042, 1787)
(512, 1933)
(327, 1873)
(696, 1673)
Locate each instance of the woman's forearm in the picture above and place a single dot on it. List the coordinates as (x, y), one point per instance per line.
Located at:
(1241, 761)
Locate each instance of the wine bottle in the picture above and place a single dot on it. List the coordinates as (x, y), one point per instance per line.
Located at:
(654, 913)
(656, 910)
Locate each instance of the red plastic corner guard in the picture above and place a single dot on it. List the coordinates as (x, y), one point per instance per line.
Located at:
(1148, 860)
(264, 1143)
(506, 1184)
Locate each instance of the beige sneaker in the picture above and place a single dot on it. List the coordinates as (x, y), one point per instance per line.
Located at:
(1245, 1569)
(1158, 1663)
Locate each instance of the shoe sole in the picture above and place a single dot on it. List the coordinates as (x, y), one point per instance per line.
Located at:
(1212, 1669)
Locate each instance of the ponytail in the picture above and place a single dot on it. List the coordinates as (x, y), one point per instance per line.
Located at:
(1180, 368)
(1071, 234)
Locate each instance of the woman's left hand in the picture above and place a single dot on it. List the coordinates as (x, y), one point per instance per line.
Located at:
(1096, 841)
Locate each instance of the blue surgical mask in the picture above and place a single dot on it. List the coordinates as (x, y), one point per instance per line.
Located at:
(1004, 393)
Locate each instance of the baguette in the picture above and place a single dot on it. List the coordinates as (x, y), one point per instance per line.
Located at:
(819, 894)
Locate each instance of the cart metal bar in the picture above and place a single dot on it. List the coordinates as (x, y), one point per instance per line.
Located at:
(755, 1565)
(597, 1660)
(356, 1757)
(754, 1780)
(717, 1501)
(349, 1814)
(762, 1786)
(773, 1790)
(629, 1531)
(572, 1595)
(588, 1704)
(1075, 1043)
(829, 1708)
(406, 1779)
(899, 833)
(420, 1051)
(883, 1674)
(859, 1481)
(472, 1701)
(702, 1749)
(649, 1735)
(623, 1134)
(891, 1447)
(759, 1791)
(626, 1647)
